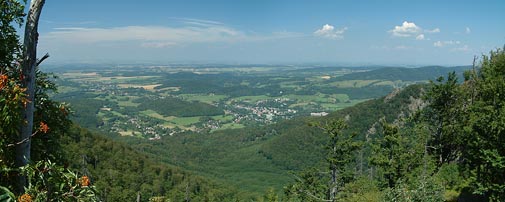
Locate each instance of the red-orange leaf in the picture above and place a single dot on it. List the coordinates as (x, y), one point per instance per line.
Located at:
(43, 127)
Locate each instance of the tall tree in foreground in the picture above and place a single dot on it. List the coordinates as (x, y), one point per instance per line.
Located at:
(485, 131)
(341, 149)
(445, 115)
(28, 80)
(390, 153)
(30, 122)
(468, 125)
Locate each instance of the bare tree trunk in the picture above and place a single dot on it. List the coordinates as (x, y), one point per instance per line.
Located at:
(29, 64)
(187, 197)
(334, 181)
(333, 184)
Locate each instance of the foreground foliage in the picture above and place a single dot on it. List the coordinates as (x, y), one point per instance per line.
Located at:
(50, 182)
(451, 149)
(31, 177)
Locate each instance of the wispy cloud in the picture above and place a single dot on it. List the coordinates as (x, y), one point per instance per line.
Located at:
(468, 30)
(68, 23)
(436, 30)
(410, 29)
(329, 31)
(445, 43)
(198, 22)
(157, 44)
(194, 31)
(453, 45)
(390, 48)
(145, 33)
(464, 48)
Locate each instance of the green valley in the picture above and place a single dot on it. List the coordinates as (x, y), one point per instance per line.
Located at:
(154, 101)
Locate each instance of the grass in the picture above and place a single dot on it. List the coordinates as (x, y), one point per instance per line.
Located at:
(292, 84)
(300, 104)
(156, 115)
(223, 118)
(253, 98)
(321, 98)
(340, 97)
(230, 126)
(128, 103)
(185, 121)
(115, 113)
(331, 107)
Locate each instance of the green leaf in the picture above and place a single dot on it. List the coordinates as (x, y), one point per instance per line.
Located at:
(6, 195)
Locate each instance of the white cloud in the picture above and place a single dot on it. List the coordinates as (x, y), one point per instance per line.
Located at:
(407, 29)
(468, 30)
(410, 29)
(445, 43)
(328, 31)
(436, 30)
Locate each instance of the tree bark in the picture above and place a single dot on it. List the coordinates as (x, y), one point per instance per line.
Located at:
(333, 185)
(29, 65)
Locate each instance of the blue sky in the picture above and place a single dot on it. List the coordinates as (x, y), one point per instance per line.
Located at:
(271, 32)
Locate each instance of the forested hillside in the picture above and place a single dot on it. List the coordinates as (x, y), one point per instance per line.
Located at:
(120, 173)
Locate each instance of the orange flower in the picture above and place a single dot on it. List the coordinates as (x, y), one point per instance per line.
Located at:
(85, 181)
(3, 80)
(43, 127)
(25, 198)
